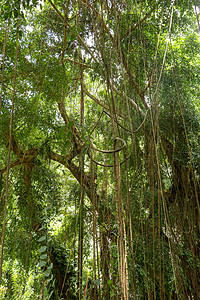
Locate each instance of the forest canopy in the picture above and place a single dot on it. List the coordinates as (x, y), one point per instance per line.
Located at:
(100, 149)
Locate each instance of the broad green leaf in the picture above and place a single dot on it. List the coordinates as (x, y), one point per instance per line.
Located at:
(42, 249)
(47, 273)
(43, 256)
(42, 264)
(43, 238)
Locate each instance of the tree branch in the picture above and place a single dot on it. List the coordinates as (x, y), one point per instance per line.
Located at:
(133, 80)
(138, 24)
(24, 157)
(131, 101)
(102, 104)
(82, 178)
(11, 166)
(79, 144)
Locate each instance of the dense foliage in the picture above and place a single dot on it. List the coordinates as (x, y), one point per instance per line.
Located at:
(99, 152)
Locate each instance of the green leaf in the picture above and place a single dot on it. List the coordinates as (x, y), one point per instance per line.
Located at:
(43, 238)
(45, 292)
(70, 124)
(43, 256)
(42, 249)
(51, 266)
(69, 134)
(43, 227)
(47, 273)
(42, 264)
(109, 282)
(97, 282)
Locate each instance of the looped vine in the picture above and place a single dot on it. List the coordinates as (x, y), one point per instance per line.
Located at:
(111, 151)
(107, 152)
